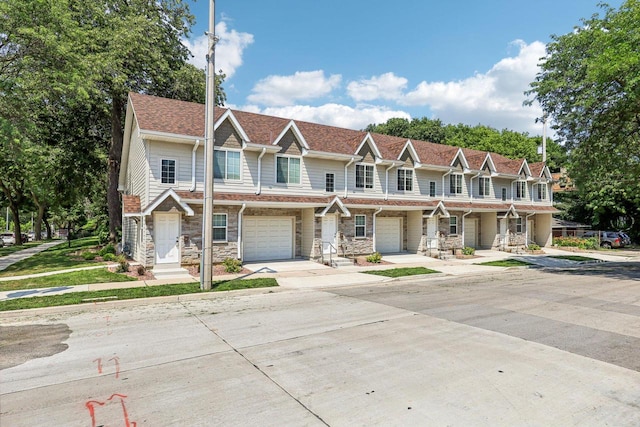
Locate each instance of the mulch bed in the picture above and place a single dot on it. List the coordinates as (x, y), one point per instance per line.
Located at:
(133, 272)
(361, 261)
(218, 270)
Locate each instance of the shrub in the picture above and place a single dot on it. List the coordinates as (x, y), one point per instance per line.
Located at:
(123, 264)
(374, 257)
(141, 270)
(109, 257)
(576, 242)
(108, 249)
(467, 250)
(534, 247)
(232, 265)
(88, 256)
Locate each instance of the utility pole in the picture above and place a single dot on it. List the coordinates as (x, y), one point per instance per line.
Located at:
(209, 140)
(544, 138)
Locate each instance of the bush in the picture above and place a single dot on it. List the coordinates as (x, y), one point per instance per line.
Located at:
(88, 256)
(109, 257)
(123, 264)
(232, 265)
(467, 250)
(534, 247)
(108, 249)
(576, 242)
(141, 270)
(374, 257)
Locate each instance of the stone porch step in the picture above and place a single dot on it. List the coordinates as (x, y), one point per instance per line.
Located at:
(341, 262)
(161, 273)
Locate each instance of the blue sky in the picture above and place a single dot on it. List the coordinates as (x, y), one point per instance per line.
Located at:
(351, 63)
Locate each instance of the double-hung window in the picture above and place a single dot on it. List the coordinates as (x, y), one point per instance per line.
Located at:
(288, 170)
(484, 188)
(364, 176)
(226, 164)
(521, 189)
(453, 225)
(405, 180)
(361, 226)
(329, 183)
(518, 225)
(542, 191)
(168, 172)
(432, 189)
(455, 183)
(220, 227)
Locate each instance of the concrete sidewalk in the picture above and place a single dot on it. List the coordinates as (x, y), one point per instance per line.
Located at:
(304, 274)
(10, 259)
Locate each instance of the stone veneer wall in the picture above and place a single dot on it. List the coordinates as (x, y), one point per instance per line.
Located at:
(447, 241)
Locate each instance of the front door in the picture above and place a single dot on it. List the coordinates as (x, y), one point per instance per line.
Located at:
(432, 233)
(167, 238)
(329, 230)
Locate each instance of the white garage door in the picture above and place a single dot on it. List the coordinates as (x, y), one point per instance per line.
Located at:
(470, 233)
(388, 234)
(267, 237)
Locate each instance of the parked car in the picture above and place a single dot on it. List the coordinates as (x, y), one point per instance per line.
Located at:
(625, 238)
(8, 238)
(608, 239)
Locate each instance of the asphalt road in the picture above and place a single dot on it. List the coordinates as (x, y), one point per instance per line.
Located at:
(526, 347)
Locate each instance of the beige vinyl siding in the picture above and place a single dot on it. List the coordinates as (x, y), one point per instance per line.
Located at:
(414, 230)
(307, 232)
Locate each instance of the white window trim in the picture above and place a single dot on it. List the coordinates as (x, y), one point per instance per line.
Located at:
(503, 190)
(405, 180)
(355, 226)
(373, 177)
(275, 170)
(451, 177)
(226, 227)
(167, 184)
(519, 184)
(544, 189)
(457, 225)
(334, 182)
(519, 225)
(480, 186)
(225, 179)
(435, 189)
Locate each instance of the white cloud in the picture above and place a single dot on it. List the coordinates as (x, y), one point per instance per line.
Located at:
(494, 98)
(332, 114)
(286, 90)
(386, 86)
(229, 50)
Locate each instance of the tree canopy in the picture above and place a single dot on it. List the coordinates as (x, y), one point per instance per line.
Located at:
(589, 85)
(65, 70)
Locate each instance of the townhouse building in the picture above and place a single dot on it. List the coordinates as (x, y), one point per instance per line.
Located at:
(286, 189)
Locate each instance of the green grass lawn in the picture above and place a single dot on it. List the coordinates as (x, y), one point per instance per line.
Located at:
(505, 263)
(131, 293)
(59, 257)
(9, 249)
(573, 257)
(100, 275)
(400, 272)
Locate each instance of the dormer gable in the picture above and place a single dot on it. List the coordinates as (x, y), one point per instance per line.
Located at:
(524, 171)
(291, 140)
(408, 155)
(228, 131)
(488, 165)
(459, 161)
(368, 150)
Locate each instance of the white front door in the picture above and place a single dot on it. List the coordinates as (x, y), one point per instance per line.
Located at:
(167, 238)
(503, 232)
(432, 229)
(329, 230)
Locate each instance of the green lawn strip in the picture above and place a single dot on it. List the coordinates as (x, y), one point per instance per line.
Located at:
(9, 249)
(73, 298)
(573, 258)
(59, 257)
(505, 263)
(74, 278)
(400, 272)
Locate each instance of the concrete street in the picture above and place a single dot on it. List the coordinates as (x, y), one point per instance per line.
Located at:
(526, 347)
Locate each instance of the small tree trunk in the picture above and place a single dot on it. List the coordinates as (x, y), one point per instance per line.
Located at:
(48, 227)
(115, 152)
(16, 223)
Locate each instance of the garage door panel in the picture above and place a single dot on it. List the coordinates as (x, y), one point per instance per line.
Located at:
(388, 234)
(267, 238)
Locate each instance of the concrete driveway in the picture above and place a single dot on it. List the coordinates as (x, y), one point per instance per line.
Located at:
(524, 347)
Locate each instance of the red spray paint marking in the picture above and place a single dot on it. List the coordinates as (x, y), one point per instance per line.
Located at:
(116, 360)
(99, 365)
(91, 406)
